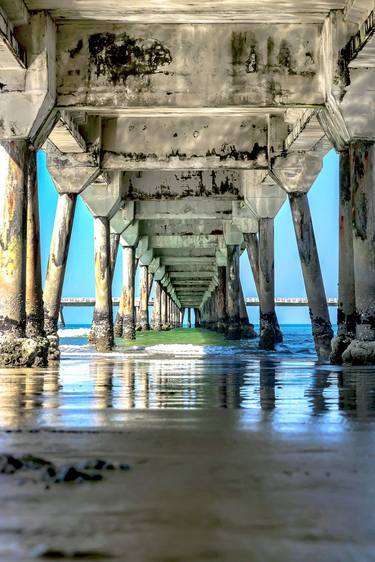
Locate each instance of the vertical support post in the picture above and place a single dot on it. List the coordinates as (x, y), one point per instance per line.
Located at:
(182, 316)
(189, 317)
(362, 154)
(143, 320)
(321, 324)
(61, 317)
(196, 317)
(221, 298)
(13, 157)
(252, 248)
(233, 285)
(247, 329)
(163, 302)
(157, 308)
(114, 246)
(346, 312)
(34, 290)
(58, 256)
(127, 297)
(270, 333)
(102, 327)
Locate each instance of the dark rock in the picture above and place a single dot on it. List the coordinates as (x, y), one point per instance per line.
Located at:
(10, 464)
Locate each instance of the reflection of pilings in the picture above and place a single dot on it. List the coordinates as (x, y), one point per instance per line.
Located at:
(321, 325)
(221, 298)
(58, 255)
(34, 292)
(267, 383)
(12, 237)
(127, 297)
(143, 320)
(157, 308)
(102, 327)
(252, 247)
(114, 246)
(270, 333)
(233, 285)
(346, 312)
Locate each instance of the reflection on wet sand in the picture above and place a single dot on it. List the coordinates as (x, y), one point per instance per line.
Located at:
(99, 392)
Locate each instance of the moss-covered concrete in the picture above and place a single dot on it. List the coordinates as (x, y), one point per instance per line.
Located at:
(178, 336)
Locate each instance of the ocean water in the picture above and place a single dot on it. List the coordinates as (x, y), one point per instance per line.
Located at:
(298, 342)
(285, 389)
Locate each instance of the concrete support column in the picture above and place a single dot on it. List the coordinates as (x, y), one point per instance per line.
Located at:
(196, 320)
(58, 256)
(270, 333)
(247, 329)
(157, 326)
(233, 284)
(127, 297)
(163, 309)
(114, 246)
(321, 325)
(102, 327)
(34, 290)
(346, 312)
(189, 317)
(252, 248)
(13, 158)
(362, 156)
(221, 298)
(143, 320)
(182, 316)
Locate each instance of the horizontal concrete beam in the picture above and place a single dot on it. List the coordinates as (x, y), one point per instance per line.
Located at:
(187, 208)
(184, 241)
(196, 142)
(242, 69)
(180, 226)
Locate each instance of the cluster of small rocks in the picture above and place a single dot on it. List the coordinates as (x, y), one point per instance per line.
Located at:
(50, 473)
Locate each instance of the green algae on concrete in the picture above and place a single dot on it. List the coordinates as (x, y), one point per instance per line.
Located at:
(177, 336)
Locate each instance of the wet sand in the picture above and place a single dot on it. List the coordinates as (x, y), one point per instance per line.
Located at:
(232, 458)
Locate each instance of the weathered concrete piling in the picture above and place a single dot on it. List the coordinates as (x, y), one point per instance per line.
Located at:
(102, 327)
(128, 308)
(185, 195)
(157, 326)
(143, 320)
(270, 333)
(362, 160)
(321, 324)
(15, 348)
(233, 326)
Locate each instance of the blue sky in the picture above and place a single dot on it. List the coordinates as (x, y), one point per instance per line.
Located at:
(79, 280)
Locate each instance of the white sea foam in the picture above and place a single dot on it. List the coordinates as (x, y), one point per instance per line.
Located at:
(73, 332)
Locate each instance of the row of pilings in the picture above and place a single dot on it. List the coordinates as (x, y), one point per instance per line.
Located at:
(28, 328)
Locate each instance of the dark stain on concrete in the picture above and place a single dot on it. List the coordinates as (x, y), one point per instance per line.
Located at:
(77, 49)
(121, 56)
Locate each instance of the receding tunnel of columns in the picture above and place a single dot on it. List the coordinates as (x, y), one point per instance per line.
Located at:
(184, 163)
